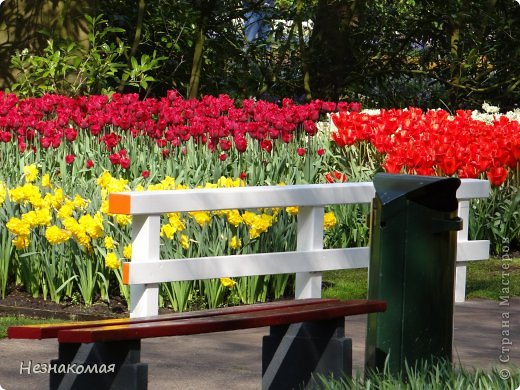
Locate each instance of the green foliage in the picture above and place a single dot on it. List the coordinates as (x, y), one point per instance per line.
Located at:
(71, 69)
(427, 375)
(498, 218)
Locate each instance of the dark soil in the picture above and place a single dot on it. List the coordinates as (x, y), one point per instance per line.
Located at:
(18, 302)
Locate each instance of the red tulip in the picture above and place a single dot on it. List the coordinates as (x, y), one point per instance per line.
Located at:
(115, 158)
(301, 152)
(267, 145)
(225, 144)
(69, 158)
(355, 106)
(70, 134)
(240, 144)
(336, 176)
(497, 175)
(5, 136)
(145, 174)
(124, 162)
(90, 164)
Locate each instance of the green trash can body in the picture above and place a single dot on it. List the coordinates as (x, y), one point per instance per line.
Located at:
(412, 267)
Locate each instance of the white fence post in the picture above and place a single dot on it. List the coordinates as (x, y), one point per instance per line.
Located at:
(461, 267)
(144, 298)
(309, 237)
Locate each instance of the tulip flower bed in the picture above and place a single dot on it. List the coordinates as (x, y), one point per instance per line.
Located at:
(62, 156)
(467, 145)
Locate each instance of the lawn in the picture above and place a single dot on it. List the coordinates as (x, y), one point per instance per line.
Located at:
(484, 280)
(6, 322)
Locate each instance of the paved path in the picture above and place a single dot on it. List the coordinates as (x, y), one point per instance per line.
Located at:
(232, 360)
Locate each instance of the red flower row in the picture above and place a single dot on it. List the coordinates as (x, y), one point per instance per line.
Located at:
(432, 142)
(218, 122)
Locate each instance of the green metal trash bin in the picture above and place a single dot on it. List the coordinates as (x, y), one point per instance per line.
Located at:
(412, 266)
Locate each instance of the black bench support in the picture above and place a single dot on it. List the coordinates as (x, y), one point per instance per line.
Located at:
(102, 365)
(293, 354)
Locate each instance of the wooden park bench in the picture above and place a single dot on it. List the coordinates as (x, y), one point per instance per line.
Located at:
(307, 335)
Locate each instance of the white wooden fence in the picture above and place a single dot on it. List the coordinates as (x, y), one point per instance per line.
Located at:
(147, 270)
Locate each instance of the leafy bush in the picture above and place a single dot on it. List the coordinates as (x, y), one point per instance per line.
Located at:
(71, 69)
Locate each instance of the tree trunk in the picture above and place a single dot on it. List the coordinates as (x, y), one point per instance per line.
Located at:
(331, 54)
(205, 8)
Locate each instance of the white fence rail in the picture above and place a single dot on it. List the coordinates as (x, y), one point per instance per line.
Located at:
(147, 270)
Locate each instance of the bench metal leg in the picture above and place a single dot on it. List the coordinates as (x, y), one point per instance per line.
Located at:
(110, 365)
(293, 354)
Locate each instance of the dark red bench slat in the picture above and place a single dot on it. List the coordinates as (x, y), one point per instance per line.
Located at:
(220, 323)
(44, 331)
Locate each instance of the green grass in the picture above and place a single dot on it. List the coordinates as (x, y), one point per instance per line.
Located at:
(8, 321)
(484, 280)
(429, 376)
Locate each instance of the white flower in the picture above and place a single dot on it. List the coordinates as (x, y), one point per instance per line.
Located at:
(490, 109)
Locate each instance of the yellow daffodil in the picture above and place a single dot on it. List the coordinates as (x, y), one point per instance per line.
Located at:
(234, 217)
(31, 173)
(56, 236)
(185, 241)
(249, 218)
(168, 231)
(123, 220)
(21, 242)
(92, 226)
(79, 202)
(26, 193)
(111, 261)
(46, 181)
(127, 251)
(18, 227)
(235, 242)
(175, 220)
(66, 210)
(3, 192)
(168, 183)
(260, 225)
(104, 179)
(58, 198)
(292, 210)
(109, 243)
(329, 220)
(227, 282)
(202, 217)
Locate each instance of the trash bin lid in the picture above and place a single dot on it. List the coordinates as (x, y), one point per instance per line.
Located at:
(438, 193)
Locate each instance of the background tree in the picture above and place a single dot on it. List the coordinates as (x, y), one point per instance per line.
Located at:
(427, 53)
(22, 20)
